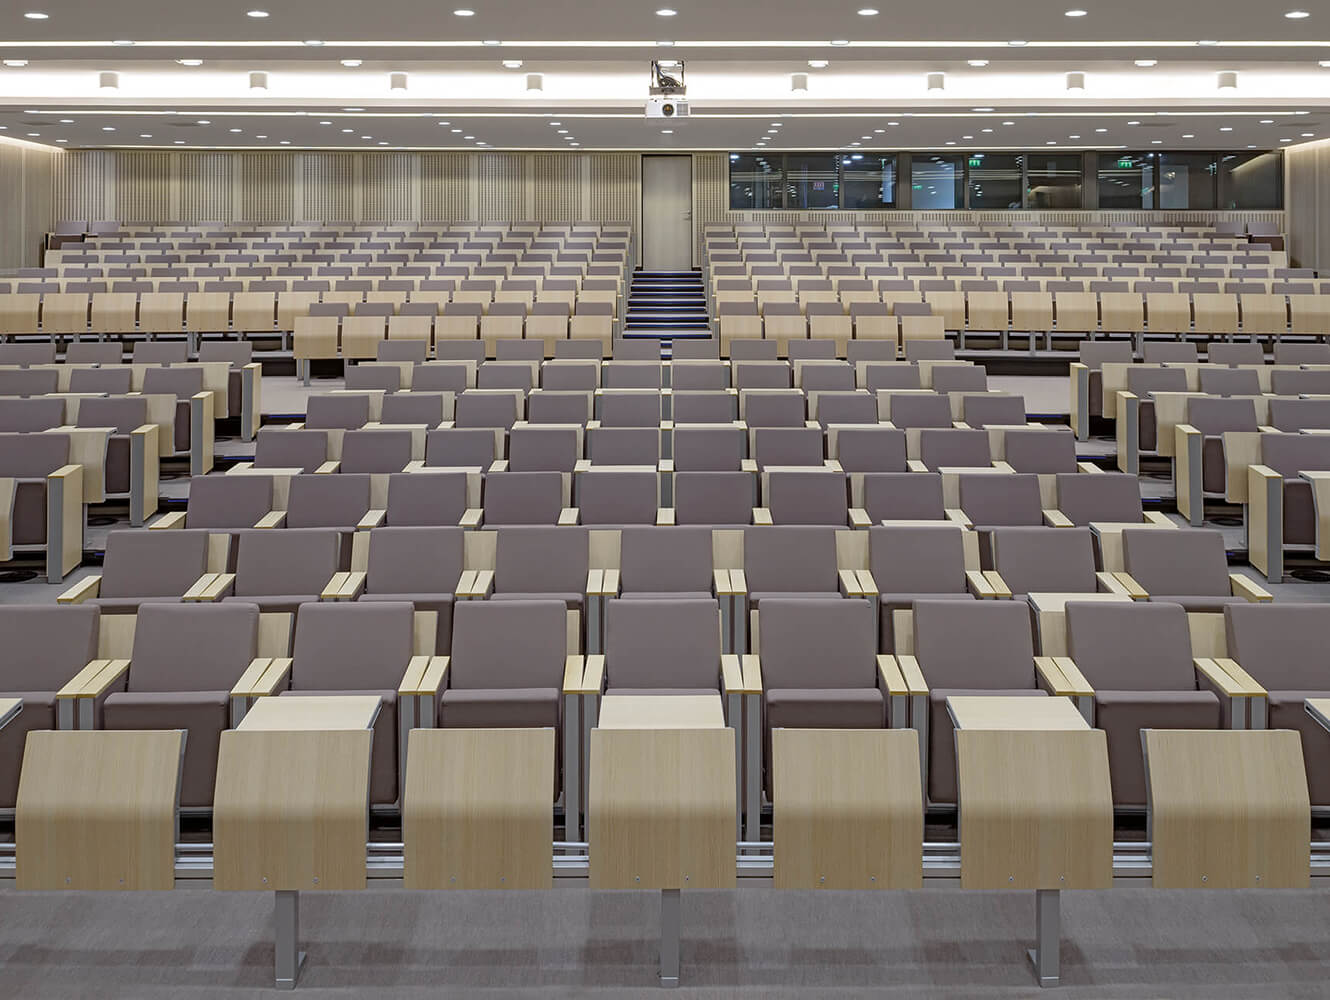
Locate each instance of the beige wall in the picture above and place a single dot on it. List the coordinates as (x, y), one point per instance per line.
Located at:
(25, 201)
(1307, 199)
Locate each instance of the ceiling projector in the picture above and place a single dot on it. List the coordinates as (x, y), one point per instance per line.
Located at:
(667, 107)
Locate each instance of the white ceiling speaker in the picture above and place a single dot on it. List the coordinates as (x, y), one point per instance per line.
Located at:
(535, 83)
(1075, 81)
(799, 83)
(937, 81)
(1228, 80)
(258, 82)
(108, 81)
(397, 81)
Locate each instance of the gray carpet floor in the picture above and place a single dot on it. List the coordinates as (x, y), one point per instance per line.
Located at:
(571, 942)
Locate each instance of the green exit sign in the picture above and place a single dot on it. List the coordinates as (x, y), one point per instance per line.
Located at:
(976, 161)
(1125, 164)
(917, 187)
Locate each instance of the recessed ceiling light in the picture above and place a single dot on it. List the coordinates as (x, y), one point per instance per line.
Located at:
(1147, 63)
(36, 15)
(893, 123)
(818, 63)
(66, 121)
(260, 137)
(1101, 130)
(383, 142)
(33, 135)
(1008, 123)
(1133, 123)
(1073, 137)
(352, 63)
(512, 64)
(1050, 143)
(1308, 135)
(1018, 42)
(204, 121)
(977, 63)
(556, 123)
(325, 123)
(1226, 128)
(180, 142)
(468, 137)
(62, 140)
(16, 63)
(1189, 135)
(256, 13)
(563, 131)
(967, 137)
(367, 137)
(348, 130)
(1157, 142)
(667, 131)
(313, 42)
(879, 131)
(867, 12)
(574, 144)
(985, 130)
(284, 142)
(190, 62)
(1074, 13)
(464, 12)
(1296, 15)
(1267, 121)
(951, 142)
(840, 41)
(108, 128)
(145, 135)
(666, 12)
(1285, 140)
(457, 130)
(854, 144)
(234, 130)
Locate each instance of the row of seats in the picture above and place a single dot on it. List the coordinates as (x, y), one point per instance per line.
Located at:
(1130, 665)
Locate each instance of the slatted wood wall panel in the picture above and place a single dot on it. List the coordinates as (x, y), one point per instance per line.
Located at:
(267, 189)
(1307, 194)
(446, 187)
(558, 186)
(711, 194)
(502, 187)
(616, 188)
(143, 186)
(329, 186)
(206, 186)
(387, 185)
(26, 176)
(80, 189)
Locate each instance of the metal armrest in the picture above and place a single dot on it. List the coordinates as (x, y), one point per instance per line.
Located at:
(89, 586)
(372, 519)
(175, 519)
(762, 515)
(1056, 519)
(1248, 590)
(272, 519)
(568, 516)
(424, 676)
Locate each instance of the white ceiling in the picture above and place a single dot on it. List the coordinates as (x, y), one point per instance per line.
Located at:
(594, 57)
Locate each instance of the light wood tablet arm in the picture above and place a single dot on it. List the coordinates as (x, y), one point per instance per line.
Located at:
(1057, 519)
(731, 674)
(94, 679)
(748, 465)
(903, 670)
(664, 517)
(849, 583)
(1059, 676)
(979, 584)
(752, 672)
(738, 583)
(472, 517)
(276, 678)
(248, 684)
(610, 583)
(665, 465)
(999, 586)
(593, 676)
(867, 585)
(353, 585)
(1248, 590)
(483, 584)
(762, 516)
(415, 465)
(1088, 467)
(915, 465)
(958, 516)
(272, 519)
(498, 465)
(568, 516)
(574, 666)
(720, 583)
(1219, 676)
(859, 518)
(89, 586)
(425, 676)
(1110, 584)
(1077, 686)
(210, 587)
(328, 467)
(372, 519)
(1158, 519)
(1130, 587)
(175, 519)
(1048, 676)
